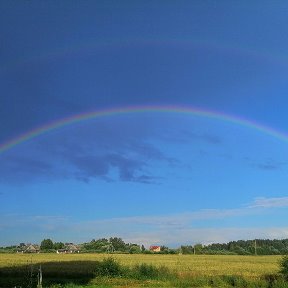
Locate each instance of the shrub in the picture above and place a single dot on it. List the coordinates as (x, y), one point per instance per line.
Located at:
(284, 267)
(149, 271)
(146, 271)
(235, 281)
(191, 282)
(108, 267)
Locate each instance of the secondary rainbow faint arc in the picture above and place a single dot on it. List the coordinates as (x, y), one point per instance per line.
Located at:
(139, 109)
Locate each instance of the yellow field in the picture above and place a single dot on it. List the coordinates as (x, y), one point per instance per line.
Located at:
(197, 265)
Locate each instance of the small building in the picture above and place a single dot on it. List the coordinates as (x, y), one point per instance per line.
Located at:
(32, 248)
(29, 248)
(69, 249)
(155, 248)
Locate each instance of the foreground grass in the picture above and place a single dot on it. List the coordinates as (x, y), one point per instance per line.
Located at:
(200, 265)
(95, 270)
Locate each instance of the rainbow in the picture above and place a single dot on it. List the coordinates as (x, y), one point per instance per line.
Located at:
(139, 109)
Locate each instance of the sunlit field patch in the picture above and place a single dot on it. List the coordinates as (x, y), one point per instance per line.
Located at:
(196, 265)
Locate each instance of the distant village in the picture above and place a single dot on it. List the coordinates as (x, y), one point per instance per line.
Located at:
(112, 245)
(117, 245)
(70, 248)
(35, 248)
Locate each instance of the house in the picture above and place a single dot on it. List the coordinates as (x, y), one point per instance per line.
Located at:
(72, 248)
(32, 248)
(155, 248)
(69, 248)
(29, 248)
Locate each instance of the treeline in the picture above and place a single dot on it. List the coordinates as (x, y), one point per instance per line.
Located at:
(117, 245)
(241, 247)
(113, 244)
(102, 245)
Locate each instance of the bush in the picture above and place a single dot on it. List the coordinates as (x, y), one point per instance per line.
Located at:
(235, 281)
(108, 267)
(148, 271)
(284, 267)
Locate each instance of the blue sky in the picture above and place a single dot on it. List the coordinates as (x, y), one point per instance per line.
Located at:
(152, 177)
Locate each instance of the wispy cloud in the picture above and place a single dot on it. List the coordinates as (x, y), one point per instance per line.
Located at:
(173, 221)
(269, 166)
(173, 229)
(181, 228)
(206, 235)
(263, 202)
(42, 222)
(266, 164)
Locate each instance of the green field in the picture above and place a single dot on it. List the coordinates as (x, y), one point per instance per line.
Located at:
(180, 270)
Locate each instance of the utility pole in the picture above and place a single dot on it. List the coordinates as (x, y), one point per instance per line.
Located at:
(39, 285)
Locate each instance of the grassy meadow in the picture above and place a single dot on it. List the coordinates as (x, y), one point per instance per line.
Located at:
(141, 270)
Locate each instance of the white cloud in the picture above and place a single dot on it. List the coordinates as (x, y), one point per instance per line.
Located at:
(140, 225)
(263, 202)
(206, 235)
(173, 229)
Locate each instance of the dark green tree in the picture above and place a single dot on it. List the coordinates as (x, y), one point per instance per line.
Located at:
(118, 244)
(58, 245)
(46, 244)
(198, 248)
(99, 245)
(187, 249)
(134, 249)
(164, 249)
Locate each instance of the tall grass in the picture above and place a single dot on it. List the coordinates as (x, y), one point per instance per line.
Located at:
(172, 271)
(195, 265)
